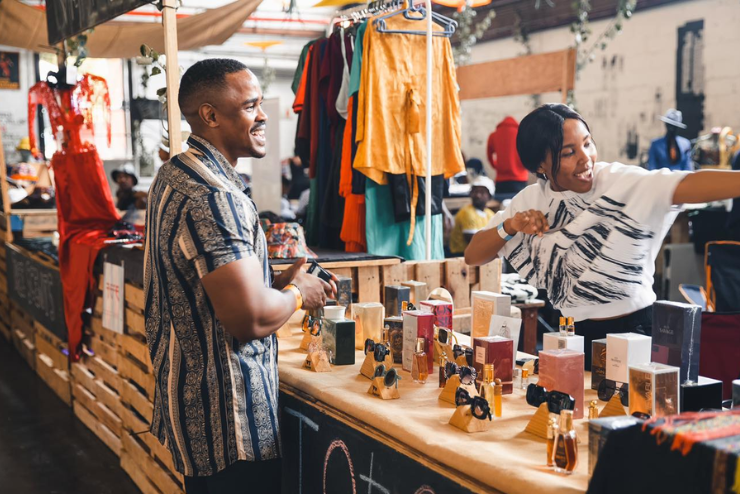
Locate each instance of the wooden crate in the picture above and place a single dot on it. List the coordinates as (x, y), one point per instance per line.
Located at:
(52, 362)
(23, 334)
(25, 347)
(150, 474)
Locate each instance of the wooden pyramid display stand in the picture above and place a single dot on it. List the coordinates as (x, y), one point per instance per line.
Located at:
(379, 389)
(461, 360)
(442, 349)
(317, 362)
(369, 365)
(463, 419)
(306, 340)
(613, 408)
(538, 423)
(448, 393)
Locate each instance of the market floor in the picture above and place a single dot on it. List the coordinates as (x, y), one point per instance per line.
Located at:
(44, 449)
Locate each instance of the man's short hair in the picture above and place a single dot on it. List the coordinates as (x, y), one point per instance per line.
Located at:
(207, 74)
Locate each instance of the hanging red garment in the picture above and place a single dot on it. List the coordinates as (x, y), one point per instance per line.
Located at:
(85, 208)
(353, 226)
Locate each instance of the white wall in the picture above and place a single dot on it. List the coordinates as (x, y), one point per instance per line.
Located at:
(14, 106)
(631, 83)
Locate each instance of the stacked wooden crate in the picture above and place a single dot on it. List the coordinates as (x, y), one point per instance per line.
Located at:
(148, 463)
(52, 362)
(23, 332)
(5, 329)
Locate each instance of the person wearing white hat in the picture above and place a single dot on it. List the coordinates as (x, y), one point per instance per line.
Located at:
(671, 151)
(473, 217)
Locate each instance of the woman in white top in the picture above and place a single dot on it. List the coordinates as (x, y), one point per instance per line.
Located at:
(589, 232)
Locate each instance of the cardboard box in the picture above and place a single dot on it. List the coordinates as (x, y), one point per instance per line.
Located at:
(598, 433)
(417, 324)
(442, 312)
(394, 325)
(395, 296)
(369, 318)
(554, 341)
(344, 291)
(704, 394)
(484, 305)
(506, 327)
(654, 389)
(677, 337)
(562, 370)
(623, 350)
(418, 291)
(339, 340)
(598, 362)
(495, 350)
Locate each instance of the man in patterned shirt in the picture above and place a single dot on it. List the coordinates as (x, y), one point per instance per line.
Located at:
(211, 307)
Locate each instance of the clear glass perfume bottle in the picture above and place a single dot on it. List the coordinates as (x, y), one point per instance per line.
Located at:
(562, 327)
(525, 378)
(486, 387)
(419, 369)
(565, 450)
(571, 328)
(552, 431)
(517, 378)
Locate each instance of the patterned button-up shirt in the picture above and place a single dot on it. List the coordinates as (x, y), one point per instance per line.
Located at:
(216, 398)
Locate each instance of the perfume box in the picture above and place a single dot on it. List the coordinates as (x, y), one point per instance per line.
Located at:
(442, 312)
(484, 305)
(654, 389)
(339, 340)
(344, 291)
(704, 393)
(623, 350)
(417, 291)
(498, 351)
(394, 325)
(677, 337)
(417, 324)
(554, 341)
(736, 393)
(599, 431)
(598, 362)
(395, 296)
(368, 317)
(507, 327)
(562, 370)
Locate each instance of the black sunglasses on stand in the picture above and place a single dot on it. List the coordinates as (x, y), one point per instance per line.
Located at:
(556, 400)
(479, 407)
(468, 375)
(607, 389)
(379, 350)
(458, 350)
(390, 376)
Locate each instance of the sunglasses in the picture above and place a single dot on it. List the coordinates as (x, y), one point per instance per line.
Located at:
(379, 350)
(478, 405)
(445, 336)
(458, 350)
(556, 400)
(390, 376)
(607, 389)
(407, 306)
(467, 375)
(311, 325)
(641, 415)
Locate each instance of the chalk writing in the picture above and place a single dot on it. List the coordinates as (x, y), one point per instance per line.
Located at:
(313, 425)
(372, 483)
(338, 443)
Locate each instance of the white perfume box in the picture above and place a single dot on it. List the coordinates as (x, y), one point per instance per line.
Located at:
(623, 350)
(554, 341)
(484, 306)
(654, 389)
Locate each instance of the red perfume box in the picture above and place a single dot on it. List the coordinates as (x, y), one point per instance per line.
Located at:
(417, 324)
(498, 351)
(562, 370)
(442, 312)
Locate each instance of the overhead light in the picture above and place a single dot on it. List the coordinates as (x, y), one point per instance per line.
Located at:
(263, 45)
(461, 4)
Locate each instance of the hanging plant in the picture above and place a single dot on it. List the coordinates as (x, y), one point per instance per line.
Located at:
(154, 64)
(76, 46)
(468, 33)
(582, 30)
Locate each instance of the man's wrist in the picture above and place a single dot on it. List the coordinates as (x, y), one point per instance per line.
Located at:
(508, 228)
(292, 288)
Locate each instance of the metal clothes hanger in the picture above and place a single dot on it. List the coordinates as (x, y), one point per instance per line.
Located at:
(417, 13)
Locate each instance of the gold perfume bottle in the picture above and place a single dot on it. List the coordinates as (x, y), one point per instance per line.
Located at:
(487, 391)
(552, 431)
(562, 327)
(442, 373)
(593, 411)
(570, 329)
(419, 370)
(498, 395)
(565, 450)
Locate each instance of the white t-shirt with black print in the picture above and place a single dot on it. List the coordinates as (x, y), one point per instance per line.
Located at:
(598, 258)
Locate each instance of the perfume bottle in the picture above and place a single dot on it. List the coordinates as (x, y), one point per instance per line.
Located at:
(419, 371)
(562, 327)
(571, 328)
(565, 450)
(525, 378)
(593, 411)
(552, 431)
(387, 340)
(498, 395)
(486, 387)
(442, 373)
(517, 378)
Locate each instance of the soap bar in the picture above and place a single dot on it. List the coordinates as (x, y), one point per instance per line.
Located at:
(395, 296)
(554, 341)
(442, 312)
(498, 351)
(394, 325)
(654, 389)
(677, 337)
(623, 350)
(344, 291)
(706, 393)
(417, 324)
(484, 306)
(598, 362)
(562, 370)
(339, 340)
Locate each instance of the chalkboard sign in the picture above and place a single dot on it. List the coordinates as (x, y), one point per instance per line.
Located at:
(322, 455)
(37, 288)
(65, 18)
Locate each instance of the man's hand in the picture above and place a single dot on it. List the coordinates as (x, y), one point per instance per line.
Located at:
(531, 222)
(314, 290)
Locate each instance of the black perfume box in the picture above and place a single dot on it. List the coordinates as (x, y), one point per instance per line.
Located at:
(598, 433)
(395, 296)
(339, 340)
(395, 336)
(344, 291)
(706, 393)
(677, 336)
(598, 362)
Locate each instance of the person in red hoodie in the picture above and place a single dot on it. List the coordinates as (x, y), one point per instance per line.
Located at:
(511, 176)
